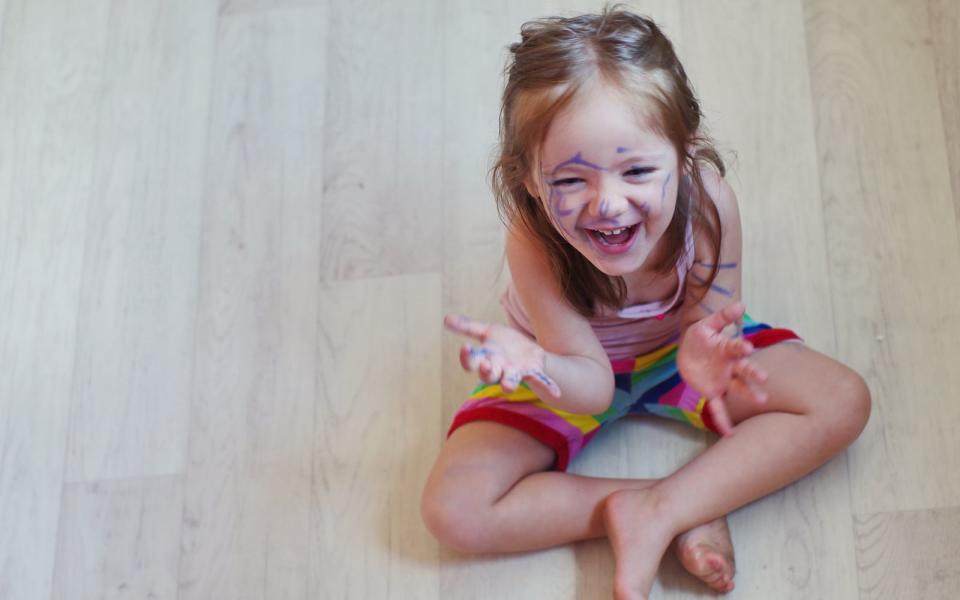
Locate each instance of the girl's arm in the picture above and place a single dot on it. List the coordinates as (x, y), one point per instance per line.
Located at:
(575, 360)
(713, 357)
(726, 288)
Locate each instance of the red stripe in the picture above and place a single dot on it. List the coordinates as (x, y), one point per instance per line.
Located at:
(769, 337)
(542, 433)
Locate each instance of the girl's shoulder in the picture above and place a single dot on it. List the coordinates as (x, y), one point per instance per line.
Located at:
(723, 197)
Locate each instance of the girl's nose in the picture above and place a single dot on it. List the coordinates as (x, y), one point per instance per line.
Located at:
(608, 203)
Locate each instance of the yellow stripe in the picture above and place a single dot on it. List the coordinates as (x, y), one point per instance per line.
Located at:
(646, 360)
(695, 419)
(585, 423)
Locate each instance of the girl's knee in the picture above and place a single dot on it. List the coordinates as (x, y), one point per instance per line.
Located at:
(853, 401)
(456, 518)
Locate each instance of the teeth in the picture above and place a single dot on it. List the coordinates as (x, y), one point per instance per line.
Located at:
(612, 231)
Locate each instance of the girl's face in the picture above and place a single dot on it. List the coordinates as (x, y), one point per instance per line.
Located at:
(608, 183)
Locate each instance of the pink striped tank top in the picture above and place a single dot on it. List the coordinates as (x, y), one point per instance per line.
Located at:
(630, 331)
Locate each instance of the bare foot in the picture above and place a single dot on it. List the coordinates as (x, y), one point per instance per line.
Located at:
(640, 533)
(707, 552)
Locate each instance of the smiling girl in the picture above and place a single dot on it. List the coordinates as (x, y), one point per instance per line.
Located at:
(624, 246)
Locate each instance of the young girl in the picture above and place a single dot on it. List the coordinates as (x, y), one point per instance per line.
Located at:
(624, 249)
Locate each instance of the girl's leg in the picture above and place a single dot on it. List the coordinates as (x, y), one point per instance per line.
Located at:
(488, 492)
(816, 408)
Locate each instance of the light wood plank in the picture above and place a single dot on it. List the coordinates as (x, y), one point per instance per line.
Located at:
(381, 195)
(894, 256)
(135, 343)
(119, 539)
(377, 424)
(50, 74)
(944, 18)
(909, 554)
(230, 7)
(247, 496)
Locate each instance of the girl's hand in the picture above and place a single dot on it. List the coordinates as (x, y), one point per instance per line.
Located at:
(715, 364)
(504, 356)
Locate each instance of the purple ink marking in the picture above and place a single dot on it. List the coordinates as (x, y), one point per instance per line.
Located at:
(577, 160)
(721, 266)
(556, 202)
(713, 287)
(542, 378)
(621, 149)
(480, 352)
(604, 205)
(663, 192)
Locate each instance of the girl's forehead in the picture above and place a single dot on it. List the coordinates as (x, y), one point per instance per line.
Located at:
(604, 131)
(602, 151)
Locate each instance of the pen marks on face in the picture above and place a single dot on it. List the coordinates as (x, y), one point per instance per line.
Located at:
(663, 191)
(577, 160)
(556, 203)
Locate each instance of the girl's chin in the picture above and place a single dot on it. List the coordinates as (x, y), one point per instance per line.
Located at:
(619, 266)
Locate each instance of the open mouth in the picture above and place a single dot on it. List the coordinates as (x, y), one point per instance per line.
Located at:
(614, 241)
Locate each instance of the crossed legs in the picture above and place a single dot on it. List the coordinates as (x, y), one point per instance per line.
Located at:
(488, 491)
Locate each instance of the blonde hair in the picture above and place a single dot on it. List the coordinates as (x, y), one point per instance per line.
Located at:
(556, 59)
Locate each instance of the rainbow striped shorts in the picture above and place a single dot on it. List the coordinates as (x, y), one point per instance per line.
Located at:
(647, 384)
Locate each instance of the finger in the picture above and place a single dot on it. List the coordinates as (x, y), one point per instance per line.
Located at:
(470, 356)
(729, 314)
(496, 361)
(721, 418)
(741, 387)
(485, 370)
(510, 380)
(754, 373)
(541, 381)
(737, 347)
(466, 326)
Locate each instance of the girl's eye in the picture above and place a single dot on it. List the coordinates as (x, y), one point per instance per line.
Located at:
(567, 181)
(638, 171)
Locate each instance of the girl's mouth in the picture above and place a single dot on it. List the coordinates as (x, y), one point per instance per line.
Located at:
(616, 241)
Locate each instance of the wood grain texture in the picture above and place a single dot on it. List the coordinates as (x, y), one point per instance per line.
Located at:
(381, 193)
(377, 423)
(908, 554)
(119, 539)
(944, 16)
(247, 490)
(50, 76)
(892, 240)
(131, 407)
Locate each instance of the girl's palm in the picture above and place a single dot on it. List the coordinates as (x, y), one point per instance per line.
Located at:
(505, 356)
(715, 364)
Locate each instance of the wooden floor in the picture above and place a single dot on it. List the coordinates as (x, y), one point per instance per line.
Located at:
(228, 233)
